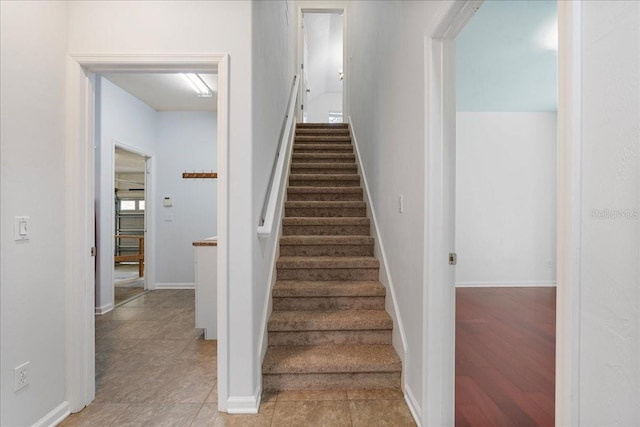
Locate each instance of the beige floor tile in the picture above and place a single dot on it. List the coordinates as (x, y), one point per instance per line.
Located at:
(312, 413)
(95, 415)
(213, 394)
(374, 394)
(207, 416)
(135, 330)
(269, 396)
(152, 415)
(368, 413)
(294, 395)
(199, 351)
(184, 383)
(132, 386)
(144, 313)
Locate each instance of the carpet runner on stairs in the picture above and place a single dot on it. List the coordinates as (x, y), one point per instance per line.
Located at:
(329, 328)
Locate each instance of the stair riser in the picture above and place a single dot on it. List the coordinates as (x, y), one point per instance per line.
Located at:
(326, 212)
(322, 140)
(326, 250)
(313, 148)
(328, 274)
(325, 197)
(355, 182)
(347, 381)
(326, 230)
(329, 303)
(295, 169)
(303, 158)
(330, 338)
(332, 132)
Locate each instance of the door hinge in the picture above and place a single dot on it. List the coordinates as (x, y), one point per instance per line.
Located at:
(94, 251)
(302, 106)
(302, 66)
(453, 258)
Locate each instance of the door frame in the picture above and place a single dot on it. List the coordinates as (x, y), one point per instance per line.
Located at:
(80, 212)
(438, 393)
(320, 6)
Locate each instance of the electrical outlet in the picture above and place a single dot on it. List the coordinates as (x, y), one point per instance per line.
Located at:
(21, 376)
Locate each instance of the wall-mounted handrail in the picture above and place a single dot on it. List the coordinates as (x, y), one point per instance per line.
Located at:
(267, 216)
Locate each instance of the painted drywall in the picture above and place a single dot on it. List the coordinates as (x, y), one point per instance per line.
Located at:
(121, 119)
(386, 96)
(169, 27)
(318, 110)
(505, 57)
(185, 141)
(506, 199)
(272, 67)
(609, 371)
(33, 45)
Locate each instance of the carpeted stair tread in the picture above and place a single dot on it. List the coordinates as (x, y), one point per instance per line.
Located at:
(331, 359)
(326, 240)
(325, 204)
(327, 148)
(319, 221)
(329, 320)
(336, 168)
(310, 289)
(322, 125)
(322, 131)
(317, 190)
(326, 262)
(350, 157)
(324, 177)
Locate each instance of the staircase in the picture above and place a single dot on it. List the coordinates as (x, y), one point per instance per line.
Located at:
(328, 328)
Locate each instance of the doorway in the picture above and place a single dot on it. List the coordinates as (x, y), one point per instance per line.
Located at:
(505, 214)
(322, 65)
(130, 225)
(84, 71)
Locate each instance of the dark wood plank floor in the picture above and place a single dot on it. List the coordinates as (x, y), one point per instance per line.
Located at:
(505, 356)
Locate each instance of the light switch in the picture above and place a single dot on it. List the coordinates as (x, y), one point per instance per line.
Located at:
(167, 202)
(21, 228)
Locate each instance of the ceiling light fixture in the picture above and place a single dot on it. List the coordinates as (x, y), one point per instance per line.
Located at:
(196, 82)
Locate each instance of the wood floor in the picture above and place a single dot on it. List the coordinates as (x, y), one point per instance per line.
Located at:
(505, 356)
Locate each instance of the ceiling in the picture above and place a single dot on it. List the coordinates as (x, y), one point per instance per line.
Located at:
(167, 91)
(128, 162)
(506, 57)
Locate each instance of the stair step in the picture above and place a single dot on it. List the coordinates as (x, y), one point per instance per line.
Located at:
(323, 148)
(353, 381)
(322, 125)
(324, 180)
(322, 131)
(326, 226)
(330, 168)
(324, 194)
(330, 359)
(329, 303)
(323, 157)
(377, 336)
(294, 288)
(328, 320)
(325, 209)
(327, 268)
(326, 246)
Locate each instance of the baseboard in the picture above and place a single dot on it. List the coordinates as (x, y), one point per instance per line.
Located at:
(412, 403)
(104, 309)
(244, 404)
(54, 417)
(379, 252)
(175, 286)
(520, 284)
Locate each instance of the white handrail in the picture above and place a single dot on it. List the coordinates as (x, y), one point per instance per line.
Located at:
(265, 227)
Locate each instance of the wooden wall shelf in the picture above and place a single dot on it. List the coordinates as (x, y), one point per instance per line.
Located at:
(200, 175)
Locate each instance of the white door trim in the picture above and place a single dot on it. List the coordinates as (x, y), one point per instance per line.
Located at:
(438, 406)
(79, 206)
(323, 6)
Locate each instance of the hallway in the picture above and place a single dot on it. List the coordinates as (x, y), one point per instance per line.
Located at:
(153, 368)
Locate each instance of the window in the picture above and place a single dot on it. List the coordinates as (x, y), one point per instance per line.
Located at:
(140, 205)
(127, 205)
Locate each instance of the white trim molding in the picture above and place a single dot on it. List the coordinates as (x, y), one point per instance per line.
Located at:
(54, 417)
(79, 206)
(568, 308)
(104, 309)
(244, 404)
(175, 285)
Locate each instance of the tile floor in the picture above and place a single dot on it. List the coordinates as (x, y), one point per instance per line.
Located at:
(153, 368)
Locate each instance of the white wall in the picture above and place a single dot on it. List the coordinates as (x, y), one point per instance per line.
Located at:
(386, 97)
(186, 142)
(610, 320)
(318, 109)
(120, 119)
(33, 38)
(169, 27)
(272, 66)
(506, 199)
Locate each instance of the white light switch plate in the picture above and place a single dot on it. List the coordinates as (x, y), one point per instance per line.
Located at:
(21, 228)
